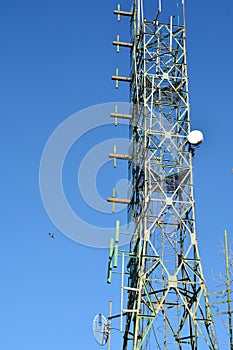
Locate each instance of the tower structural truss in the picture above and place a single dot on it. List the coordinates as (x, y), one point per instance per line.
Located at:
(167, 303)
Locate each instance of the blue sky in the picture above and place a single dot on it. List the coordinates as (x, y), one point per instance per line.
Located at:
(56, 58)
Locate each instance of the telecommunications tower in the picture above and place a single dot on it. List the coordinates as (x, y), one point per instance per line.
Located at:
(164, 302)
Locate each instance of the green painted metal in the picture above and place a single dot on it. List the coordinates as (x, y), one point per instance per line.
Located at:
(169, 265)
(111, 251)
(117, 82)
(116, 249)
(167, 301)
(149, 299)
(118, 47)
(117, 231)
(115, 118)
(229, 311)
(113, 196)
(109, 277)
(114, 151)
(118, 16)
(145, 335)
(111, 248)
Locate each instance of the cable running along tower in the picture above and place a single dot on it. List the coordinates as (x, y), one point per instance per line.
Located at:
(164, 302)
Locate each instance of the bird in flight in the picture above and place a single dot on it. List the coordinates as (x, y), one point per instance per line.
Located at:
(51, 235)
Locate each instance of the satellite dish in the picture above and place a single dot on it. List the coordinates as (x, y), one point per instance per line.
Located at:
(100, 329)
(195, 137)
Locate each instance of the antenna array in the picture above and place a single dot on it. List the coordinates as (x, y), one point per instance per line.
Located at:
(164, 301)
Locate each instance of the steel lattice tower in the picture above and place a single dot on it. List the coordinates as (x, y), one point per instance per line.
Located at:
(167, 304)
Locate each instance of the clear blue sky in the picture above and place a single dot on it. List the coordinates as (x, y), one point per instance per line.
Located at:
(56, 58)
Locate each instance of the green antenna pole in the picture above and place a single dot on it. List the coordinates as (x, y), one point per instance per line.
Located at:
(228, 290)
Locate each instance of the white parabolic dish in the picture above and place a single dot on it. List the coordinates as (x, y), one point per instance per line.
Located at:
(195, 137)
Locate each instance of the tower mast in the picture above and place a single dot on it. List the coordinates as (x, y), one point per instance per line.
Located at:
(167, 303)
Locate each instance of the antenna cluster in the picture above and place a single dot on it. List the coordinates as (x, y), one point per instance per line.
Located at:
(164, 299)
